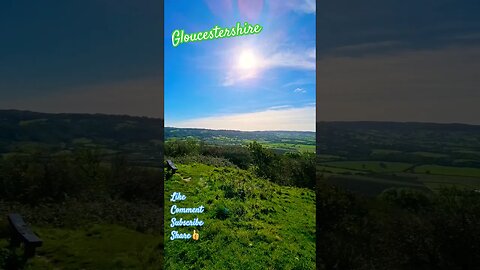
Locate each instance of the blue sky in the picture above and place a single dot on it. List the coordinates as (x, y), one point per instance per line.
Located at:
(378, 60)
(204, 86)
(83, 56)
(399, 60)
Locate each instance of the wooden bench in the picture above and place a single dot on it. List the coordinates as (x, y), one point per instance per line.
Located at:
(21, 233)
(171, 166)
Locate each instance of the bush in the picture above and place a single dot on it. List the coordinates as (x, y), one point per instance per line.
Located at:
(238, 155)
(33, 179)
(176, 148)
(292, 169)
(407, 198)
(400, 229)
(222, 212)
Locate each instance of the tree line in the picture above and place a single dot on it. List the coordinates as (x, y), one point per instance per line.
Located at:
(290, 169)
(35, 177)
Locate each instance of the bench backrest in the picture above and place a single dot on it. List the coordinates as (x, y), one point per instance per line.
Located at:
(22, 231)
(171, 165)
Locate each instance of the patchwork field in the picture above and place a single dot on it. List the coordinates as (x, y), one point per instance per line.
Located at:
(370, 157)
(282, 141)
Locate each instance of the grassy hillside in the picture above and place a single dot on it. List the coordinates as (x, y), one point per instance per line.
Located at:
(94, 247)
(89, 185)
(83, 181)
(250, 223)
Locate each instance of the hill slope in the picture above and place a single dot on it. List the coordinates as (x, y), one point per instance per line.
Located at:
(250, 223)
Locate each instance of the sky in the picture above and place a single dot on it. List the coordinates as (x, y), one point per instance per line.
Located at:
(384, 60)
(391, 60)
(257, 82)
(88, 56)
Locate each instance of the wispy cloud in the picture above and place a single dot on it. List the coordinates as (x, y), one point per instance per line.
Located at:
(280, 107)
(291, 59)
(299, 59)
(287, 119)
(299, 82)
(299, 90)
(235, 76)
(301, 6)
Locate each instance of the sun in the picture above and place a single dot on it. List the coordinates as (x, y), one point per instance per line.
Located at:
(248, 60)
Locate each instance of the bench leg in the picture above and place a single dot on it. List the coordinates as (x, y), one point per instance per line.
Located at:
(14, 242)
(29, 251)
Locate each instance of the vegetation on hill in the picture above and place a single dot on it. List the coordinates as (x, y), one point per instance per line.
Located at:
(402, 228)
(398, 196)
(259, 201)
(82, 180)
(250, 222)
(89, 185)
(389, 195)
(291, 168)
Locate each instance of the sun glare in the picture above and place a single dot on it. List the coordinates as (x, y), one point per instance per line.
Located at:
(247, 60)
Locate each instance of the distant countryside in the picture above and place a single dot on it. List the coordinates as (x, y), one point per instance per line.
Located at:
(258, 189)
(398, 195)
(388, 195)
(280, 141)
(370, 157)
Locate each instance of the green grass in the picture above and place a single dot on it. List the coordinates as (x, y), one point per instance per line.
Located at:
(476, 153)
(384, 151)
(369, 185)
(436, 182)
(97, 247)
(430, 154)
(373, 184)
(447, 170)
(328, 157)
(250, 223)
(26, 123)
(292, 147)
(335, 170)
(369, 166)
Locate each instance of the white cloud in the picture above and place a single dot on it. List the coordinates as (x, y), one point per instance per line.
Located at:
(299, 90)
(298, 6)
(235, 76)
(300, 82)
(279, 107)
(301, 6)
(312, 53)
(287, 119)
(289, 59)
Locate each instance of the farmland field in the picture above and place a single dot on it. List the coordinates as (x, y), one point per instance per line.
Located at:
(371, 157)
(398, 195)
(282, 141)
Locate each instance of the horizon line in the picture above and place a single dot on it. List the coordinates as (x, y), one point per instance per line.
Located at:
(317, 121)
